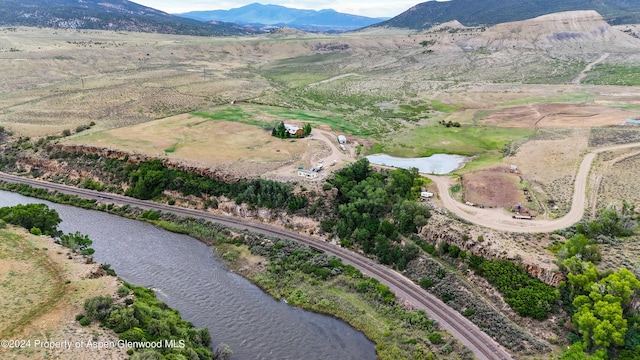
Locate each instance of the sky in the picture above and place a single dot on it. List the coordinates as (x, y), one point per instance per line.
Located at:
(371, 8)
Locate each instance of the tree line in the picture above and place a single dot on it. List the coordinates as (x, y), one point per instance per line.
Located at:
(150, 178)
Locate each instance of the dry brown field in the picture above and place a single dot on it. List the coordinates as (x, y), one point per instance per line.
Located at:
(232, 147)
(550, 115)
(495, 187)
(43, 287)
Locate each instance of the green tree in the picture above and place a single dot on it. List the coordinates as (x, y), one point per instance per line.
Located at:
(600, 323)
(280, 131)
(33, 216)
(600, 318)
(622, 284)
(577, 352)
(306, 129)
(583, 246)
(77, 242)
(122, 319)
(582, 276)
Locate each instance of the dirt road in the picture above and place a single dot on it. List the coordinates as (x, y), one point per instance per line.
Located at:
(587, 68)
(499, 219)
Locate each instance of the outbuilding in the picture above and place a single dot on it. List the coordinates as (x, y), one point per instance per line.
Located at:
(308, 174)
(426, 194)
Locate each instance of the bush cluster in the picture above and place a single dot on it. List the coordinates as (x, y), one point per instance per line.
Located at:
(446, 285)
(32, 216)
(525, 294)
(148, 319)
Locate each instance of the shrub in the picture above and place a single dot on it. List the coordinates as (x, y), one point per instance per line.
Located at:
(108, 270)
(435, 338)
(98, 307)
(35, 231)
(85, 321)
(123, 291)
(426, 283)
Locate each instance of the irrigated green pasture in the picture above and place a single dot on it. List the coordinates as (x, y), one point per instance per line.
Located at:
(466, 140)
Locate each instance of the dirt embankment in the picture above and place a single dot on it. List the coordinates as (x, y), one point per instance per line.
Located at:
(33, 310)
(54, 167)
(528, 250)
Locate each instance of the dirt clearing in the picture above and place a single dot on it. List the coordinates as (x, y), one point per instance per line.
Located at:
(557, 116)
(493, 188)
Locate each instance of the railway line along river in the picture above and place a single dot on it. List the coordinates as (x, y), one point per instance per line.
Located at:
(186, 275)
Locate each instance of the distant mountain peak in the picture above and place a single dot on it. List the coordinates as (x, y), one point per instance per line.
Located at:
(277, 15)
(121, 15)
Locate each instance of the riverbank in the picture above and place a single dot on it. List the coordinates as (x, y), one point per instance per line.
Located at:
(391, 326)
(315, 281)
(44, 286)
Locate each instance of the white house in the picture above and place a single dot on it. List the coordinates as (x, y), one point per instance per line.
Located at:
(293, 130)
(342, 139)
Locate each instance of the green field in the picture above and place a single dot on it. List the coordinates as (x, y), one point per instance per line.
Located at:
(474, 140)
(271, 115)
(303, 70)
(605, 74)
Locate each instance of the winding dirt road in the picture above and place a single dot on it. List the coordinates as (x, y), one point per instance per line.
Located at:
(499, 219)
(482, 346)
(587, 68)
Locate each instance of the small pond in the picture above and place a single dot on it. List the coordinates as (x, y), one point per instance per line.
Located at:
(434, 164)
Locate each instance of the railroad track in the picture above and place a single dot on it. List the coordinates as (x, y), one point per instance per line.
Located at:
(483, 347)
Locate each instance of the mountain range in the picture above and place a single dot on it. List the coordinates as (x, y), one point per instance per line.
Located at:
(491, 12)
(118, 15)
(274, 15)
(123, 15)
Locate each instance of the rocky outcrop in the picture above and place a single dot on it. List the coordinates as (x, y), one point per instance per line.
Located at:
(435, 234)
(547, 30)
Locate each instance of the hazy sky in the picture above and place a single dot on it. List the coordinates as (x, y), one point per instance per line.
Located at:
(372, 8)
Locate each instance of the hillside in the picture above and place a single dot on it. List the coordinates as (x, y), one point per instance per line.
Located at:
(547, 30)
(120, 15)
(310, 20)
(491, 12)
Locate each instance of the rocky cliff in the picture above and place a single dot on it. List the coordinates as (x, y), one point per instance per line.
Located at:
(548, 30)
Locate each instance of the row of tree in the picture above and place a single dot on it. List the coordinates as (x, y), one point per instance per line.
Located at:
(150, 178)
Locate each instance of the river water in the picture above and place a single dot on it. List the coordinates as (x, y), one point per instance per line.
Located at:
(185, 274)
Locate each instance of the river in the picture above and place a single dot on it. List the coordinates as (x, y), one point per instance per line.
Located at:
(185, 274)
